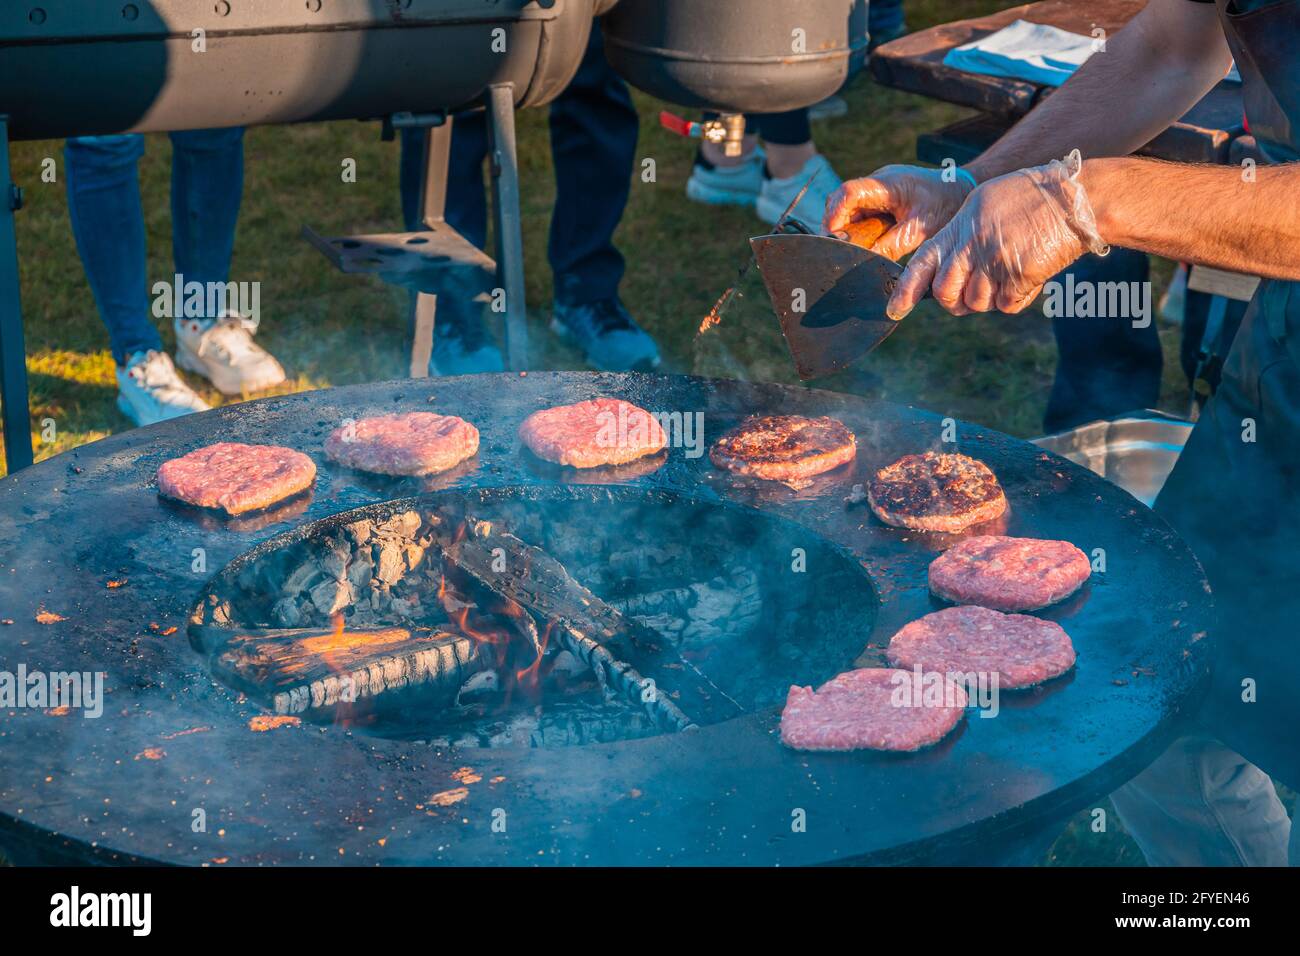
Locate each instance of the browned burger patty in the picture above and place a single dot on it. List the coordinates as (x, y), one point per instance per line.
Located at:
(236, 478)
(408, 443)
(934, 492)
(1009, 574)
(784, 447)
(601, 431)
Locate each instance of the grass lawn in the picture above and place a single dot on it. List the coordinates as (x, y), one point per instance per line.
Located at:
(331, 329)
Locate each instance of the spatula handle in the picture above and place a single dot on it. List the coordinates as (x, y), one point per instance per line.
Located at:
(864, 232)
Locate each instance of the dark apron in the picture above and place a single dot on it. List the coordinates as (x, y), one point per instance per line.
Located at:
(1237, 502)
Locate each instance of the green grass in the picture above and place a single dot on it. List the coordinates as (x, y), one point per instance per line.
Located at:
(331, 329)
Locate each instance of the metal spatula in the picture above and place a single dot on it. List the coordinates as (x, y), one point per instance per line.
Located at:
(830, 294)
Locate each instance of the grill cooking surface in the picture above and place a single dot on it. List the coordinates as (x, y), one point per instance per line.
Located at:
(85, 538)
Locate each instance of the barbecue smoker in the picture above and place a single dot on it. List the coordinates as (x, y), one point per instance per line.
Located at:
(348, 678)
(82, 67)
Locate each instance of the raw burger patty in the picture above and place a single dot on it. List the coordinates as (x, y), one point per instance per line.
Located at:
(934, 492)
(236, 478)
(784, 447)
(1022, 650)
(857, 711)
(602, 431)
(1008, 574)
(408, 443)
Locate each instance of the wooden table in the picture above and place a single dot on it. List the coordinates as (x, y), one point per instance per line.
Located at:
(915, 63)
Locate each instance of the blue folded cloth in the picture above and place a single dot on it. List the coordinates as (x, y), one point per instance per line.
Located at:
(1024, 51)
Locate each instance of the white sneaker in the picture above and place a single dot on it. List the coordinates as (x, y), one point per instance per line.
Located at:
(728, 185)
(776, 194)
(149, 390)
(223, 352)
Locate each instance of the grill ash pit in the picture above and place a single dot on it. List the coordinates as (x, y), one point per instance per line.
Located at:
(370, 619)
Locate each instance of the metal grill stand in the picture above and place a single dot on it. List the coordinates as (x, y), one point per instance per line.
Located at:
(13, 361)
(438, 260)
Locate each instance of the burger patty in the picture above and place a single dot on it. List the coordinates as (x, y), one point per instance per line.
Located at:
(861, 710)
(1022, 650)
(936, 492)
(601, 431)
(236, 478)
(784, 447)
(1008, 574)
(407, 443)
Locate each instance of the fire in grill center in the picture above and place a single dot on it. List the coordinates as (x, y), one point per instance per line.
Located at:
(538, 618)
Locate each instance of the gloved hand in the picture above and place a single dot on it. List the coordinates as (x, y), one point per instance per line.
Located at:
(919, 199)
(1011, 235)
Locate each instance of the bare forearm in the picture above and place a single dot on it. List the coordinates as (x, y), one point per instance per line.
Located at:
(1150, 73)
(1213, 215)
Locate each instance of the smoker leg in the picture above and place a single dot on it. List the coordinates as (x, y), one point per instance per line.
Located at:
(13, 353)
(433, 188)
(433, 201)
(424, 306)
(506, 220)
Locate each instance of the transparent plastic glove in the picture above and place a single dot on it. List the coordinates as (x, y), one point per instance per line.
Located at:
(920, 199)
(1011, 235)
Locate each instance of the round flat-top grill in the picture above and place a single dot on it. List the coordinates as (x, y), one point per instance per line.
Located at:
(96, 572)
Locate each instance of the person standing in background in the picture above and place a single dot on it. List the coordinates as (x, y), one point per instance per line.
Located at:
(769, 175)
(594, 128)
(103, 186)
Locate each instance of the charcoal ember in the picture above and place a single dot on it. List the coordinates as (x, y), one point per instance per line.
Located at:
(359, 532)
(334, 557)
(287, 612)
(220, 613)
(565, 723)
(402, 526)
(330, 597)
(414, 555)
(390, 561)
(409, 605)
(360, 572)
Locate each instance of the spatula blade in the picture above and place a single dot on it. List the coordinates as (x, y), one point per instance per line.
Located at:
(830, 296)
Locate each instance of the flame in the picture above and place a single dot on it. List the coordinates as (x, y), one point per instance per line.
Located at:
(495, 627)
(334, 648)
(530, 677)
(715, 314)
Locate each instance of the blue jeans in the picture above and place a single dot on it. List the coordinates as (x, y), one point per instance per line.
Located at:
(108, 222)
(594, 130)
(884, 18)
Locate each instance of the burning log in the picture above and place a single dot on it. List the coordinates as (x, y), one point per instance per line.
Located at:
(314, 671)
(627, 658)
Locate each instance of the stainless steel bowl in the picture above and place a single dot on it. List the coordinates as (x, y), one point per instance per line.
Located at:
(1135, 451)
